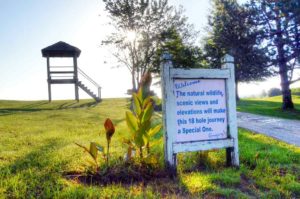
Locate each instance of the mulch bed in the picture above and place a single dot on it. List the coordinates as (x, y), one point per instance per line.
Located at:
(125, 174)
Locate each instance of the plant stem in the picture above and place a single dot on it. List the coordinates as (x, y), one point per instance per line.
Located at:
(107, 155)
(141, 153)
(148, 148)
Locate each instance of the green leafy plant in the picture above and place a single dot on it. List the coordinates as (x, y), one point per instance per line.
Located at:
(95, 148)
(139, 119)
(93, 151)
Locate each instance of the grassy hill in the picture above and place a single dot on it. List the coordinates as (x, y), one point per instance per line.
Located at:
(270, 106)
(37, 150)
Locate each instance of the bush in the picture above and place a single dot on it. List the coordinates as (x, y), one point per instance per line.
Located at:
(295, 91)
(274, 92)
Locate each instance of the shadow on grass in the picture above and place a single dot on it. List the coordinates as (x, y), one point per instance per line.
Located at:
(34, 175)
(35, 107)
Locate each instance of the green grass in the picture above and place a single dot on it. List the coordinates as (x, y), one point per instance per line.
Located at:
(270, 106)
(37, 149)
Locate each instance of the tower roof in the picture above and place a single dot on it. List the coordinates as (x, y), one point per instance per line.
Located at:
(61, 49)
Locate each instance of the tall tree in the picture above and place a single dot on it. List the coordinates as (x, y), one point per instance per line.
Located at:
(139, 27)
(182, 55)
(231, 31)
(279, 25)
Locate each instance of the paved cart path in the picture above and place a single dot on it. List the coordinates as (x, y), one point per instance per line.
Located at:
(281, 129)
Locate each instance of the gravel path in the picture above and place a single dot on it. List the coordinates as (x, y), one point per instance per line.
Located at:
(281, 129)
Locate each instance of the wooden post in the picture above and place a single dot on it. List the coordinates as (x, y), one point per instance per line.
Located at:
(49, 79)
(232, 153)
(76, 79)
(170, 157)
(99, 93)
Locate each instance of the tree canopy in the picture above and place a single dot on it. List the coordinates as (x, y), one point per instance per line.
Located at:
(231, 30)
(141, 28)
(279, 27)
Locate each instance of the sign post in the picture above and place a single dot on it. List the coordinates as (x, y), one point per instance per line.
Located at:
(199, 110)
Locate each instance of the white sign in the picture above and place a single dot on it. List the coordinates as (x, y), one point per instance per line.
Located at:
(201, 112)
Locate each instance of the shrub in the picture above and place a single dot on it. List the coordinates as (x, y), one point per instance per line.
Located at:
(274, 92)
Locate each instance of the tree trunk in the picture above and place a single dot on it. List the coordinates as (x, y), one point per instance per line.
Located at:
(287, 102)
(133, 87)
(133, 80)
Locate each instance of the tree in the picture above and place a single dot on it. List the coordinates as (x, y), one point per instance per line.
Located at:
(279, 25)
(231, 31)
(182, 55)
(139, 27)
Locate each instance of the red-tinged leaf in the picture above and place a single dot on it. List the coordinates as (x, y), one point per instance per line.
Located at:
(129, 153)
(109, 128)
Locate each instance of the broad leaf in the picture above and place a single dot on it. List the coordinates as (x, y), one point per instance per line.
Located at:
(146, 102)
(93, 150)
(131, 121)
(147, 113)
(145, 127)
(140, 94)
(138, 139)
(137, 104)
(155, 130)
(155, 142)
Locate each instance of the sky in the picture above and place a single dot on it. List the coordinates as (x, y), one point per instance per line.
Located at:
(28, 26)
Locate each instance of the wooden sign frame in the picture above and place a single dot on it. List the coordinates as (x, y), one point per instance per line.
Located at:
(168, 74)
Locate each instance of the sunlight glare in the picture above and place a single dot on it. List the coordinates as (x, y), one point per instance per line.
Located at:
(131, 36)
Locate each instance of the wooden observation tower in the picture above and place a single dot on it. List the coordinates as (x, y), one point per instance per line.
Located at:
(68, 74)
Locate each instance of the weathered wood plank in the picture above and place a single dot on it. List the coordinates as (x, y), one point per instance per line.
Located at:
(76, 79)
(232, 153)
(169, 112)
(61, 72)
(62, 81)
(200, 73)
(49, 79)
(202, 145)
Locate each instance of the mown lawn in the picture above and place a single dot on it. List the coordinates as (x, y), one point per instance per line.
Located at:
(270, 106)
(37, 150)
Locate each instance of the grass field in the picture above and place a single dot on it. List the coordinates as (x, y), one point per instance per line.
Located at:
(270, 106)
(37, 150)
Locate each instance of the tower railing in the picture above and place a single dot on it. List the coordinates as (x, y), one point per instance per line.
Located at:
(91, 81)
